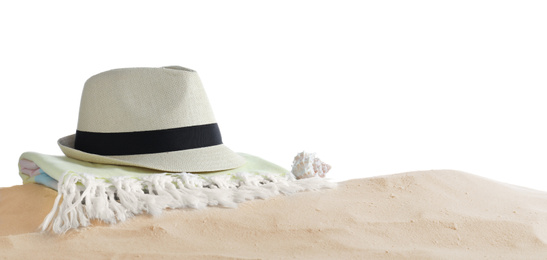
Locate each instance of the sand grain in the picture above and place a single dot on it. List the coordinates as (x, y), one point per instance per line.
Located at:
(419, 215)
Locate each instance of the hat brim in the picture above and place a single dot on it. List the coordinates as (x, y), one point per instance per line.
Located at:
(206, 159)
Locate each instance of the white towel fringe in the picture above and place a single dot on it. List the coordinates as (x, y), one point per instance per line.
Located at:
(112, 200)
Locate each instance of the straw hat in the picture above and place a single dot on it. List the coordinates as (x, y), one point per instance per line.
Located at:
(157, 118)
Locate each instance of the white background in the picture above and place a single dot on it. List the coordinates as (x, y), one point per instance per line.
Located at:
(374, 87)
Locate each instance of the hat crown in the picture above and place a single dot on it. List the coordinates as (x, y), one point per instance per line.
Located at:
(143, 99)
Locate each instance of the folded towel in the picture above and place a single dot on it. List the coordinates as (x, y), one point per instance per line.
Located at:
(113, 193)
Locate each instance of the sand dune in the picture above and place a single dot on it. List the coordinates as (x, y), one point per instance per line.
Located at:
(419, 215)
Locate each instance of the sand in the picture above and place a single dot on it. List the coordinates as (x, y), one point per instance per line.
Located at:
(416, 215)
